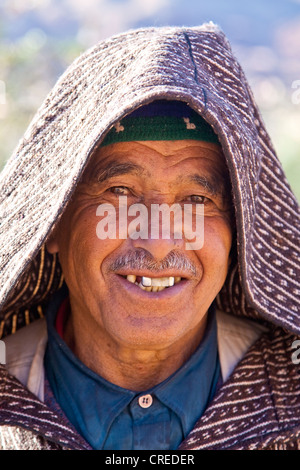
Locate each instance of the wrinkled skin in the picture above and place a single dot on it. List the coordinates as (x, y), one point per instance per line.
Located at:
(132, 337)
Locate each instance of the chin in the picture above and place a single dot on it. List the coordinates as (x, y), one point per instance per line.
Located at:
(146, 333)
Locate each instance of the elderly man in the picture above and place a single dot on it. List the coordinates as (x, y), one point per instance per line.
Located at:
(148, 339)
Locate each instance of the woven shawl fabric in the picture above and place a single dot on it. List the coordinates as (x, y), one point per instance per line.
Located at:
(194, 65)
(258, 407)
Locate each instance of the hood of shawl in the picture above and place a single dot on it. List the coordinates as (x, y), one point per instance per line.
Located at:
(193, 65)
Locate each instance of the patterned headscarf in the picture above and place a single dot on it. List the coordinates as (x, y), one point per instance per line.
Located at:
(108, 82)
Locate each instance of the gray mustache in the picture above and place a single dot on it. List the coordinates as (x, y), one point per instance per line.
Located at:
(141, 259)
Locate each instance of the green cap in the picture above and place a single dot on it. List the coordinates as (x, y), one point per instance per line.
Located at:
(161, 120)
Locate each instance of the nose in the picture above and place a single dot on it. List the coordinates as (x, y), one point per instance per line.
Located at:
(158, 248)
(163, 234)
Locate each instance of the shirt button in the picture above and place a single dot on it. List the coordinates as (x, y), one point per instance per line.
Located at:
(145, 401)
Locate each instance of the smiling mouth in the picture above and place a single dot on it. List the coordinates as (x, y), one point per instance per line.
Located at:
(153, 284)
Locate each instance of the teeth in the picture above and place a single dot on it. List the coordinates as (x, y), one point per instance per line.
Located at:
(146, 281)
(158, 281)
(154, 284)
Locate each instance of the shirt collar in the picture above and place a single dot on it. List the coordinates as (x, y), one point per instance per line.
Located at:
(187, 392)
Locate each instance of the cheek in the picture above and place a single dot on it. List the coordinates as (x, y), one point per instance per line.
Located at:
(81, 251)
(214, 255)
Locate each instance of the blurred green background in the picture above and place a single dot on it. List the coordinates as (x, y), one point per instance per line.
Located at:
(40, 38)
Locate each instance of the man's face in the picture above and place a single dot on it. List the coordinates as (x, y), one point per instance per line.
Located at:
(103, 299)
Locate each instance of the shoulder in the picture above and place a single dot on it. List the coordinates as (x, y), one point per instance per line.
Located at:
(25, 351)
(235, 336)
(26, 423)
(18, 438)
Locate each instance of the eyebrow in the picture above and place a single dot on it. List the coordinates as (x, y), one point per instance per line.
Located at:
(114, 168)
(214, 186)
(217, 184)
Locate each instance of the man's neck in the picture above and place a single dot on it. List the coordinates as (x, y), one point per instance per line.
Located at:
(133, 368)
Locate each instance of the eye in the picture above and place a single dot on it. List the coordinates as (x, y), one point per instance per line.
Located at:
(119, 190)
(198, 199)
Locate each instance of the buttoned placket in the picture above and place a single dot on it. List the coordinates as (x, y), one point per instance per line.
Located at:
(150, 418)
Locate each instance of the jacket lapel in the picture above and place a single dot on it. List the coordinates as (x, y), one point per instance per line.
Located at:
(20, 408)
(258, 407)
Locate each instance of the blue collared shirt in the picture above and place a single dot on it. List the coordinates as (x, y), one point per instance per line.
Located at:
(111, 417)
